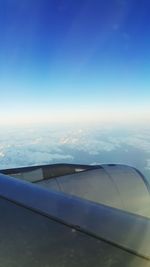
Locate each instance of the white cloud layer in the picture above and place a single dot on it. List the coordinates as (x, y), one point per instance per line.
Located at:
(34, 146)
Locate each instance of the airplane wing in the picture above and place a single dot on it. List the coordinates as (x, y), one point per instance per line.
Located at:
(45, 227)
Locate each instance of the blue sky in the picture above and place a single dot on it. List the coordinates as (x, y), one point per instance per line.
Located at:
(74, 60)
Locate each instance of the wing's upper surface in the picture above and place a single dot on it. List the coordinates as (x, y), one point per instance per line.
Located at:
(30, 216)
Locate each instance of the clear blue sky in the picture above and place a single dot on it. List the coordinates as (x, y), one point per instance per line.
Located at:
(66, 59)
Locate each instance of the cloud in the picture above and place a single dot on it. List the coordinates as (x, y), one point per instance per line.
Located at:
(86, 141)
(25, 157)
(147, 164)
(2, 154)
(141, 142)
(24, 147)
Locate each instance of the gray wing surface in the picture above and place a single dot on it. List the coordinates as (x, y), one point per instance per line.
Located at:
(30, 214)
